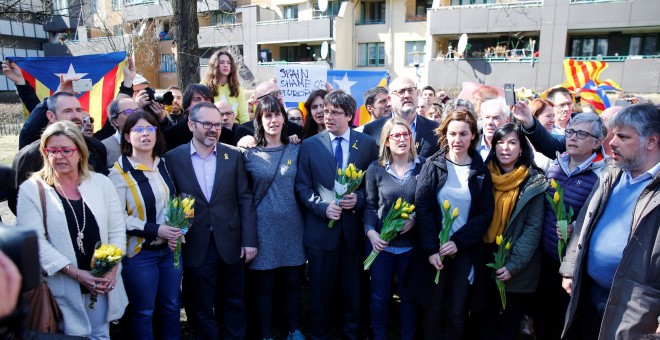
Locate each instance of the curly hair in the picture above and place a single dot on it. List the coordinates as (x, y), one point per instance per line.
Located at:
(212, 74)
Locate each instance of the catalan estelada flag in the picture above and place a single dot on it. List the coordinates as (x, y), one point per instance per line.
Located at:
(579, 73)
(595, 95)
(105, 70)
(356, 83)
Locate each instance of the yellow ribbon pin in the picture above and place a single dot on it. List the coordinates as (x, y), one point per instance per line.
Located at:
(226, 156)
(355, 145)
(417, 145)
(289, 162)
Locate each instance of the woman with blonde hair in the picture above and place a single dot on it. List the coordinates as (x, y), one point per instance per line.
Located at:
(82, 208)
(221, 78)
(392, 176)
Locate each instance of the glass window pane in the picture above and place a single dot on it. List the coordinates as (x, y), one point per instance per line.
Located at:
(635, 46)
(372, 50)
(651, 45)
(381, 54)
(588, 47)
(601, 49)
(362, 55)
(575, 47)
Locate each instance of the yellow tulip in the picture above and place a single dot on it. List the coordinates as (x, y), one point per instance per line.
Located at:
(555, 197)
(99, 254)
(411, 208)
(553, 184)
(498, 239)
(455, 213)
(110, 252)
(185, 202)
(190, 213)
(508, 246)
(354, 174)
(339, 171)
(397, 205)
(175, 203)
(446, 205)
(404, 215)
(360, 174)
(118, 252)
(349, 172)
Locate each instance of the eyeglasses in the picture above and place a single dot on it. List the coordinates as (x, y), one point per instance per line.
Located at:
(141, 129)
(402, 92)
(66, 152)
(129, 112)
(274, 94)
(226, 113)
(88, 120)
(400, 136)
(334, 113)
(208, 125)
(295, 119)
(580, 134)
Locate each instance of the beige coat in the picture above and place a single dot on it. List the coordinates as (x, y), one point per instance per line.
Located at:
(101, 197)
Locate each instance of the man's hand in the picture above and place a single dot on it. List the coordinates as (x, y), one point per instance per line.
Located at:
(129, 72)
(293, 139)
(333, 212)
(569, 231)
(503, 274)
(13, 72)
(66, 85)
(248, 253)
(522, 113)
(567, 284)
(376, 242)
(142, 98)
(348, 202)
(435, 261)
(448, 249)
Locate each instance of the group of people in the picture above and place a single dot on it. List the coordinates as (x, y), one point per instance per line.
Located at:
(265, 191)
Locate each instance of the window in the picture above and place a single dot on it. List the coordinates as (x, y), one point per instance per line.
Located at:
(589, 46)
(223, 18)
(421, 6)
(291, 12)
(95, 6)
(371, 54)
(332, 11)
(117, 30)
(300, 53)
(470, 2)
(167, 63)
(116, 5)
(415, 47)
(60, 7)
(372, 13)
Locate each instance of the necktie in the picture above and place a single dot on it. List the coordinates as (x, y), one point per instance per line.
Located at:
(339, 153)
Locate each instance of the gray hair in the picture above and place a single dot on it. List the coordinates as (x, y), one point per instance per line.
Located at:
(370, 95)
(51, 102)
(497, 105)
(113, 108)
(643, 118)
(194, 112)
(598, 128)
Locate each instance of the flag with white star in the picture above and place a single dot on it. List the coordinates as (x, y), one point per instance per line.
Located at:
(105, 70)
(356, 83)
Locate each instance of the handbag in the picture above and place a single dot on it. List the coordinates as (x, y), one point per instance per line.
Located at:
(44, 315)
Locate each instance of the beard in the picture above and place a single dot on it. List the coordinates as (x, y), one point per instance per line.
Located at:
(209, 139)
(634, 162)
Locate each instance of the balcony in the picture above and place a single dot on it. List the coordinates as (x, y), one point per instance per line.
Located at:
(145, 9)
(88, 46)
(222, 35)
(604, 14)
(486, 18)
(60, 23)
(283, 31)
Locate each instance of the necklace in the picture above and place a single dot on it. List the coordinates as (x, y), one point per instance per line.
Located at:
(79, 238)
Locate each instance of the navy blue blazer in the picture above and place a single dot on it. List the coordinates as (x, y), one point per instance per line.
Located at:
(426, 140)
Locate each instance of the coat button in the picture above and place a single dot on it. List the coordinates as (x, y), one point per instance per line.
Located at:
(579, 246)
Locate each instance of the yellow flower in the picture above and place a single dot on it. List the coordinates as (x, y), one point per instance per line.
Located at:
(110, 251)
(118, 252)
(360, 174)
(190, 212)
(411, 208)
(508, 246)
(98, 254)
(339, 171)
(553, 184)
(397, 205)
(185, 202)
(555, 197)
(349, 172)
(446, 205)
(175, 203)
(455, 213)
(498, 239)
(354, 174)
(404, 215)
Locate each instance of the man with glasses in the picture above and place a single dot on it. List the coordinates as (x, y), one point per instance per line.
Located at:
(403, 98)
(228, 116)
(223, 235)
(118, 110)
(562, 99)
(334, 254)
(494, 113)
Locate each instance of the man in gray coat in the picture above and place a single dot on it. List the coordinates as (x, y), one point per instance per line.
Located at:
(612, 267)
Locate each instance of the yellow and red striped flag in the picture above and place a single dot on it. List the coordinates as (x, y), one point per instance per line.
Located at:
(579, 73)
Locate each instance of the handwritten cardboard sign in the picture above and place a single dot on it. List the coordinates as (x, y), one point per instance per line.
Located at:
(298, 81)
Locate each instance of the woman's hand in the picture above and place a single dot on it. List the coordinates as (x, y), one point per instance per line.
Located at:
(376, 242)
(503, 274)
(169, 233)
(567, 284)
(348, 201)
(408, 225)
(172, 243)
(435, 261)
(293, 139)
(96, 285)
(448, 249)
(569, 231)
(112, 276)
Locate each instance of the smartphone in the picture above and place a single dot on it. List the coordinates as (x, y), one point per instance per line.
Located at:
(510, 94)
(82, 85)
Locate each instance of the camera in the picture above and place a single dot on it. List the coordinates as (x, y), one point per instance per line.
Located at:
(164, 98)
(22, 247)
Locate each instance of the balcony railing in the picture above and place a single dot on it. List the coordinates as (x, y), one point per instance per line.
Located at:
(279, 63)
(275, 22)
(370, 22)
(520, 3)
(416, 17)
(138, 2)
(595, 1)
(614, 58)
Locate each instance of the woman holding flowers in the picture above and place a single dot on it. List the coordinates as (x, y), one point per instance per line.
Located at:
(272, 166)
(518, 187)
(576, 171)
(456, 174)
(390, 178)
(144, 186)
(81, 209)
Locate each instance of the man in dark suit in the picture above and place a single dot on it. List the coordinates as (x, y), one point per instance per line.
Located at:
(224, 229)
(403, 98)
(334, 254)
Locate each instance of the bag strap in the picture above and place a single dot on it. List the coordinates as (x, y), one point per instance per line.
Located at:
(42, 198)
(279, 165)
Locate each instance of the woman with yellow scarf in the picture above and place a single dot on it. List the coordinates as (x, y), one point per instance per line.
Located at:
(518, 187)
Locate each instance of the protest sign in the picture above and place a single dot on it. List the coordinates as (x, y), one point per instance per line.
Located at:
(298, 81)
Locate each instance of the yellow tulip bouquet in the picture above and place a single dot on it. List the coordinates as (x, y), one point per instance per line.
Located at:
(105, 257)
(392, 225)
(179, 214)
(347, 181)
(563, 217)
(503, 247)
(447, 222)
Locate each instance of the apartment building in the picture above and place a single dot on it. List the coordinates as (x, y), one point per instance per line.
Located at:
(521, 41)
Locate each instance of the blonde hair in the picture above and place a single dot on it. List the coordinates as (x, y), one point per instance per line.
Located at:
(385, 154)
(71, 131)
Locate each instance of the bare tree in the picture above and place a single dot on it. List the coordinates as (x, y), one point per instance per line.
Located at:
(186, 28)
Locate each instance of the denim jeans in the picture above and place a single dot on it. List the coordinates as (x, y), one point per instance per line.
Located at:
(151, 279)
(382, 272)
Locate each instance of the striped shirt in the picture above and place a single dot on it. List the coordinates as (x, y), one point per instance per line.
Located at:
(143, 193)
